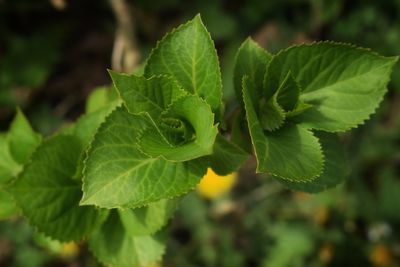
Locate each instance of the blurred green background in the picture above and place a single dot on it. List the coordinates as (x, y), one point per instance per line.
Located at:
(54, 53)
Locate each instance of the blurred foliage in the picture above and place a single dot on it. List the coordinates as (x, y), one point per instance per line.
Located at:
(45, 48)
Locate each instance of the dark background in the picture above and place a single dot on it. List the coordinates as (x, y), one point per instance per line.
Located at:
(54, 53)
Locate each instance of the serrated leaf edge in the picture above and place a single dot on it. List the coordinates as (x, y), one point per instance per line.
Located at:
(352, 46)
(183, 26)
(164, 112)
(89, 148)
(38, 228)
(100, 260)
(313, 178)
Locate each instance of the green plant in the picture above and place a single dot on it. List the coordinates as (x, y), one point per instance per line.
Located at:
(114, 177)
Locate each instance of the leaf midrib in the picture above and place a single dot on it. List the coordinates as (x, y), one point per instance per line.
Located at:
(120, 176)
(145, 97)
(323, 89)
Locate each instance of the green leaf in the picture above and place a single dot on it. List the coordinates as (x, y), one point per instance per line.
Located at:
(251, 60)
(99, 98)
(115, 164)
(227, 157)
(86, 126)
(240, 132)
(255, 129)
(271, 114)
(151, 95)
(300, 108)
(291, 152)
(114, 246)
(186, 132)
(7, 205)
(8, 167)
(343, 83)
(288, 93)
(22, 139)
(335, 169)
(188, 55)
(294, 153)
(148, 219)
(47, 195)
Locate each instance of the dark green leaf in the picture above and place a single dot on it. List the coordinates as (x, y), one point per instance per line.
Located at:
(271, 114)
(288, 93)
(335, 169)
(291, 152)
(344, 84)
(227, 157)
(49, 197)
(251, 60)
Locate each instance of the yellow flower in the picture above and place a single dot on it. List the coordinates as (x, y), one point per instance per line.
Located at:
(70, 250)
(380, 255)
(213, 185)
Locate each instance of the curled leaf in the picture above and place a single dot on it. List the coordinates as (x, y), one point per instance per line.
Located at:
(185, 131)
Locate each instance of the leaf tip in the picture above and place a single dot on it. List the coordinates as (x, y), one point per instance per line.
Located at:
(394, 59)
(85, 201)
(112, 73)
(197, 18)
(18, 111)
(250, 41)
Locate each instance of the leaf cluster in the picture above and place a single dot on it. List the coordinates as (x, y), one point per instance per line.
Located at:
(115, 176)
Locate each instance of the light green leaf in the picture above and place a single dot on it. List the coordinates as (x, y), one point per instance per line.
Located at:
(8, 167)
(47, 195)
(86, 126)
(118, 174)
(99, 98)
(186, 131)
(291, 152)
(335, 169)
(151, 95)
(188, 55)
(22, 139)
(148, 219)
(7, 205)
(343, 83)
(300, 108)
(227, 157)
(114, 246)
(251, 60)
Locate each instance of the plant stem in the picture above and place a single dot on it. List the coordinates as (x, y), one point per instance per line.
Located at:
(125, 55)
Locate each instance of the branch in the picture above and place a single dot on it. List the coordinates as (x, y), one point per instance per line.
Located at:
(125, 55)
